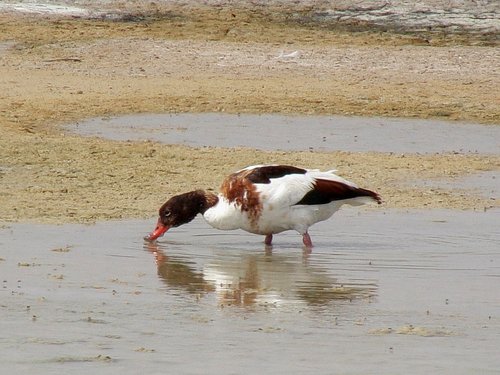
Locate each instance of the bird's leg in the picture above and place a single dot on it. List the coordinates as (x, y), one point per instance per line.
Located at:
(269, 239)
(306, 239)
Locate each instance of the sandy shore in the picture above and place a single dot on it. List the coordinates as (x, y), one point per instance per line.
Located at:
(58, 70)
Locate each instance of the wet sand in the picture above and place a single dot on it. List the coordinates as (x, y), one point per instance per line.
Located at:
(95, 298)
(58, 70)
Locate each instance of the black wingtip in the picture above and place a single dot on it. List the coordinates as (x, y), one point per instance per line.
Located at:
(368, 193)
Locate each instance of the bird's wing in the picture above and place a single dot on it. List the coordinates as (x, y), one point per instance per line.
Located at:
(283, 185)
(288, 186)
(280, 185)
(255, 184)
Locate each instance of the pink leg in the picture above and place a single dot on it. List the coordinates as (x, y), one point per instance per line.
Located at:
(269, 240)
(306, 239)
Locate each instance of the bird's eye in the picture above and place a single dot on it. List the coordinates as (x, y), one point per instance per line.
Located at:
(167, 213)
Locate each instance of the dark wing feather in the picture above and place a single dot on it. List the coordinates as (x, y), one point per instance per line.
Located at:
(326, 191)
(264, 174)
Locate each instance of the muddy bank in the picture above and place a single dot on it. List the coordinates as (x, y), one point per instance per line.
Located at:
(59, 70)
(67, 178)
(425, 18)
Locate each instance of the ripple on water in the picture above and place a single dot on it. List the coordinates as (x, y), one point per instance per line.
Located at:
(379, 282)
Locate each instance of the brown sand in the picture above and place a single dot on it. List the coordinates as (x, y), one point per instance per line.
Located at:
(55, 71)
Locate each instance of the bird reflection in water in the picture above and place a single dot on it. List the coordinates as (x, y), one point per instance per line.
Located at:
(256, 279)
(178, 273)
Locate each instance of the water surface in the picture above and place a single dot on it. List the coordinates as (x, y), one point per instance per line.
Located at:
(280, 132)
(383, 292)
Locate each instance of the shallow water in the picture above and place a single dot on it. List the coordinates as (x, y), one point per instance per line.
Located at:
(485, 184)
(383, 292)
(318, 133)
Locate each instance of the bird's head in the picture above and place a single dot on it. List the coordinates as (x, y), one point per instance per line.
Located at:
(178, 210)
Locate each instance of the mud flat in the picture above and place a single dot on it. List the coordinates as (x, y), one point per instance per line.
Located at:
(137, 58)
(428, 16)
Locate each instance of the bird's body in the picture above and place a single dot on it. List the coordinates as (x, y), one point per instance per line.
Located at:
(266, 199)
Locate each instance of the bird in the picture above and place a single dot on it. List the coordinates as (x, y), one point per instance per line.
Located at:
(266, 200)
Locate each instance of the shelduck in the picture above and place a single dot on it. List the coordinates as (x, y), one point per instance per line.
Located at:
(266, 199)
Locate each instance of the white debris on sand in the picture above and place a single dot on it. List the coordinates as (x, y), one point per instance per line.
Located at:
(46, 9)
(402, 15)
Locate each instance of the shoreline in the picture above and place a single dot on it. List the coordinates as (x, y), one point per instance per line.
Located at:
(58, 71)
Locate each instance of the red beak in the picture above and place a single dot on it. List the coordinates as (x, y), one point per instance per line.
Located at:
(158, 232)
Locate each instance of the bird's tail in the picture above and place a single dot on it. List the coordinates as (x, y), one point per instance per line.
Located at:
(365, 196)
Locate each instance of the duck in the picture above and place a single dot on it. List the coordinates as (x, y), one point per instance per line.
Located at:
(266, 200)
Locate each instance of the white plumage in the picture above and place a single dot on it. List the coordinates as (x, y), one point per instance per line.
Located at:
(267, 199)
